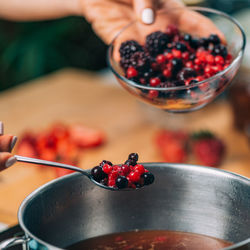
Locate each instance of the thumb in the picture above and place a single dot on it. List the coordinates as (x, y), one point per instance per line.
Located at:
(145, 10)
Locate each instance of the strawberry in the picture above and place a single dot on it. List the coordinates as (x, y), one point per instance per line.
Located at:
(208, 149)
(85, 137)
(172, 145)
(27, 145)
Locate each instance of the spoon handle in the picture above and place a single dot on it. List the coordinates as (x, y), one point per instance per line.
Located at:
(49, 163)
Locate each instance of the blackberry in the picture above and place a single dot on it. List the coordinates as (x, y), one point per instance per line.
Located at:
(181, 46)
(121, 182)
(148, 178)
(139, 60)
(156, 42)
(220, 49)
(128, 48)
(214, 39)
(186, 73)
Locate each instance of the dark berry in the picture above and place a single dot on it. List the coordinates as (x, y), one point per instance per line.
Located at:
(187, 38)
(203, 42)
(105, 162)
(220, 49)
(128, 48)
(181, 46)
(156, 42)
(194, 43)
(186, 73)
(177, 65)
(178, 83)
(130, 162)
(121, 182)
(214, 39)
(133, 157)
(148, 178)
(104, 181)
(140, 61)
(172, 30)
(97, 173)
(192, 57)
(193, 81)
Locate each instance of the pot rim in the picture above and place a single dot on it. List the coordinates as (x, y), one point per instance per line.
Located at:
(192, 167)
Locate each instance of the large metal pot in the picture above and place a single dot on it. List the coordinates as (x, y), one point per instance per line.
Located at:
(183, 198)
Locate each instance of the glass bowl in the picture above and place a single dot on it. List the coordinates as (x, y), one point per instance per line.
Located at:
(196, 95)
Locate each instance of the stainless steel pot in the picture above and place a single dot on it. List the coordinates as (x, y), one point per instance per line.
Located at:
(183, 198)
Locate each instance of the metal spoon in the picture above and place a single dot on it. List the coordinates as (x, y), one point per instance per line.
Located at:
(61, 165)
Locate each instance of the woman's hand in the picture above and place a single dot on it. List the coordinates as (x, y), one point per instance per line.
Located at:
(108, 17)
(7, 143)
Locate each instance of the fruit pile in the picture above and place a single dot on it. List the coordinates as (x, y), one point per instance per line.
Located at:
(60, 143)
(171, 58)
(178, 146)
(128, 175)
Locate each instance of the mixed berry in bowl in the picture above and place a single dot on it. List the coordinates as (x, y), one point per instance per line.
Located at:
(128, 175)
(172, 59)
(176, 71)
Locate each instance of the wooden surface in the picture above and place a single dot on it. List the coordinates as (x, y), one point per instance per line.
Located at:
(75, 96)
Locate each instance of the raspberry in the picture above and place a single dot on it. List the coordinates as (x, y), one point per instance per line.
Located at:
(156, 42)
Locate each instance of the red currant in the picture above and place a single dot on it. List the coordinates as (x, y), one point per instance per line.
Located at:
(154, 81)
(107, 168)
(160, 58)
(176, 53)
(132, 72)
(167, 73)
(153, 93)
(140, 168)
(134, 176)
(210, 59)
(169, 56)
(219, 60)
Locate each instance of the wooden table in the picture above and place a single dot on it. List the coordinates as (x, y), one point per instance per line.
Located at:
(76, 96)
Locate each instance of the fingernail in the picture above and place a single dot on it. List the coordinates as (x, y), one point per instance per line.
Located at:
(10, 161)
(1, 128)
(147, 16)
(13, 142)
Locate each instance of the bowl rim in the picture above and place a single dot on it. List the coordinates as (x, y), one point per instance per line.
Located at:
(216, 76)
(204, 169)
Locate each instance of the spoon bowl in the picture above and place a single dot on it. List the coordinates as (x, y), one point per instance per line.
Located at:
(65, 166)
